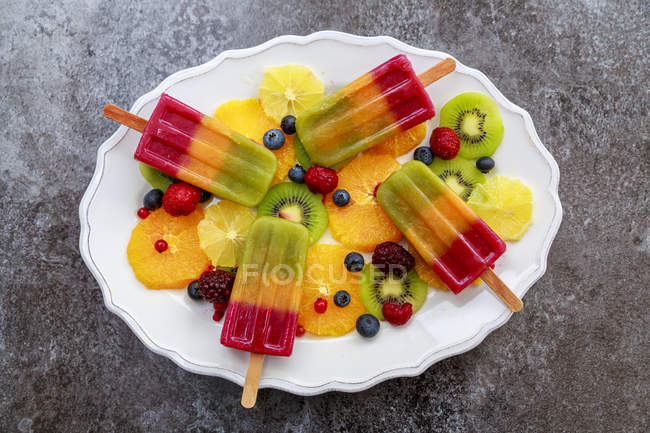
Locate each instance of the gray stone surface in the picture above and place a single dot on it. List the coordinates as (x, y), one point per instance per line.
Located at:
(574, 360)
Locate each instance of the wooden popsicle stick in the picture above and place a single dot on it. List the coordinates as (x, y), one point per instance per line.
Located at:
(438, 71)
(249, 395)
(124, 117)
(501, 290)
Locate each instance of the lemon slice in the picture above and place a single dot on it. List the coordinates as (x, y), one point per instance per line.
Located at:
(505, 204)
(289, 89)
(222, 232)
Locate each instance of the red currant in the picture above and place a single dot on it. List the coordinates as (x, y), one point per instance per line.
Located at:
(161, 245)
(300, 330)
(320, 305)
(143, 212)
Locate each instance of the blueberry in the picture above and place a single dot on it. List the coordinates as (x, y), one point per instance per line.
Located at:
(423, 154)
(367, 325)
(193, 290)
(288, 125)
(485, 164)
(153, 199)
(273, 139)
(297, 174)
(341, 197)
(354, 262)
(341, 298)
(205, 196)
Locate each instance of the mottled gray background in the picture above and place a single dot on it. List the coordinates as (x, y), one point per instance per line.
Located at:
(574, 360)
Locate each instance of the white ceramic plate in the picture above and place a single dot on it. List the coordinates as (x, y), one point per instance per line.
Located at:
(171, 324)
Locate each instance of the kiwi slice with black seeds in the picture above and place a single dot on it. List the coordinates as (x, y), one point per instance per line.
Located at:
(294, 202)
(477, 121)
(459, 174)
(377, 288)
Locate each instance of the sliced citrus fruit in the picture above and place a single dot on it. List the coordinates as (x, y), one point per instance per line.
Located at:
(505, 204)
(426, 272)
(362, 224)
(401, 143)
(325, 275)
(222, 233)
(180, 264)
(247, 117)
(289, 89)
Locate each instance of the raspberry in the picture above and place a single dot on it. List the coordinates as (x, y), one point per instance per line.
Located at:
(444, 143)
(181, 199)
(215, 286)
(391, 257)
(397, 314)
(321, 180)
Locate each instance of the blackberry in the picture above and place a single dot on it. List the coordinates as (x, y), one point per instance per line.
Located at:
(390, 257)
(215, 286)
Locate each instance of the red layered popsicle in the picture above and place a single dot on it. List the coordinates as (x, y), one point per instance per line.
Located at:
(195, 148)
(381, 103)
(263, 308)
(448, 235)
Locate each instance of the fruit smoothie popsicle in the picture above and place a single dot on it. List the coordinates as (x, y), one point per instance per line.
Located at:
(195, 148)
(379, 104)
(449, 236)
(263, 308)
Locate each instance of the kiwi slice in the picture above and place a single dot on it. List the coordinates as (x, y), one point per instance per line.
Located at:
(377, 288)
(294, 202)
(459, 174)
(156, 178)
(477, 120)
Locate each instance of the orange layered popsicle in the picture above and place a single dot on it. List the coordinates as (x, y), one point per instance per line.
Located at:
(379, 104)
(449, 236)
(262, 312)
(198, 149)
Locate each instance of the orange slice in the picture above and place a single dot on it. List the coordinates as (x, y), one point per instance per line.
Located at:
(401, 143)
(426, 272)
(362, 224)
(325, 274)
(182, 262)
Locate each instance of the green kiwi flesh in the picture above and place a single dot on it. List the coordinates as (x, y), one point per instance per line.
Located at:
(477, 121)
(459, 174)
(377, 288)
(294, 202)
(156, 178)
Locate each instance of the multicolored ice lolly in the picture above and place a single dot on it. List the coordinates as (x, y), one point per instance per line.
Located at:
(449, 236)
(263, 309)
(372, 108)
(202, 151)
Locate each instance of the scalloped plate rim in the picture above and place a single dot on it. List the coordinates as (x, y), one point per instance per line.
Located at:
(334, 385)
